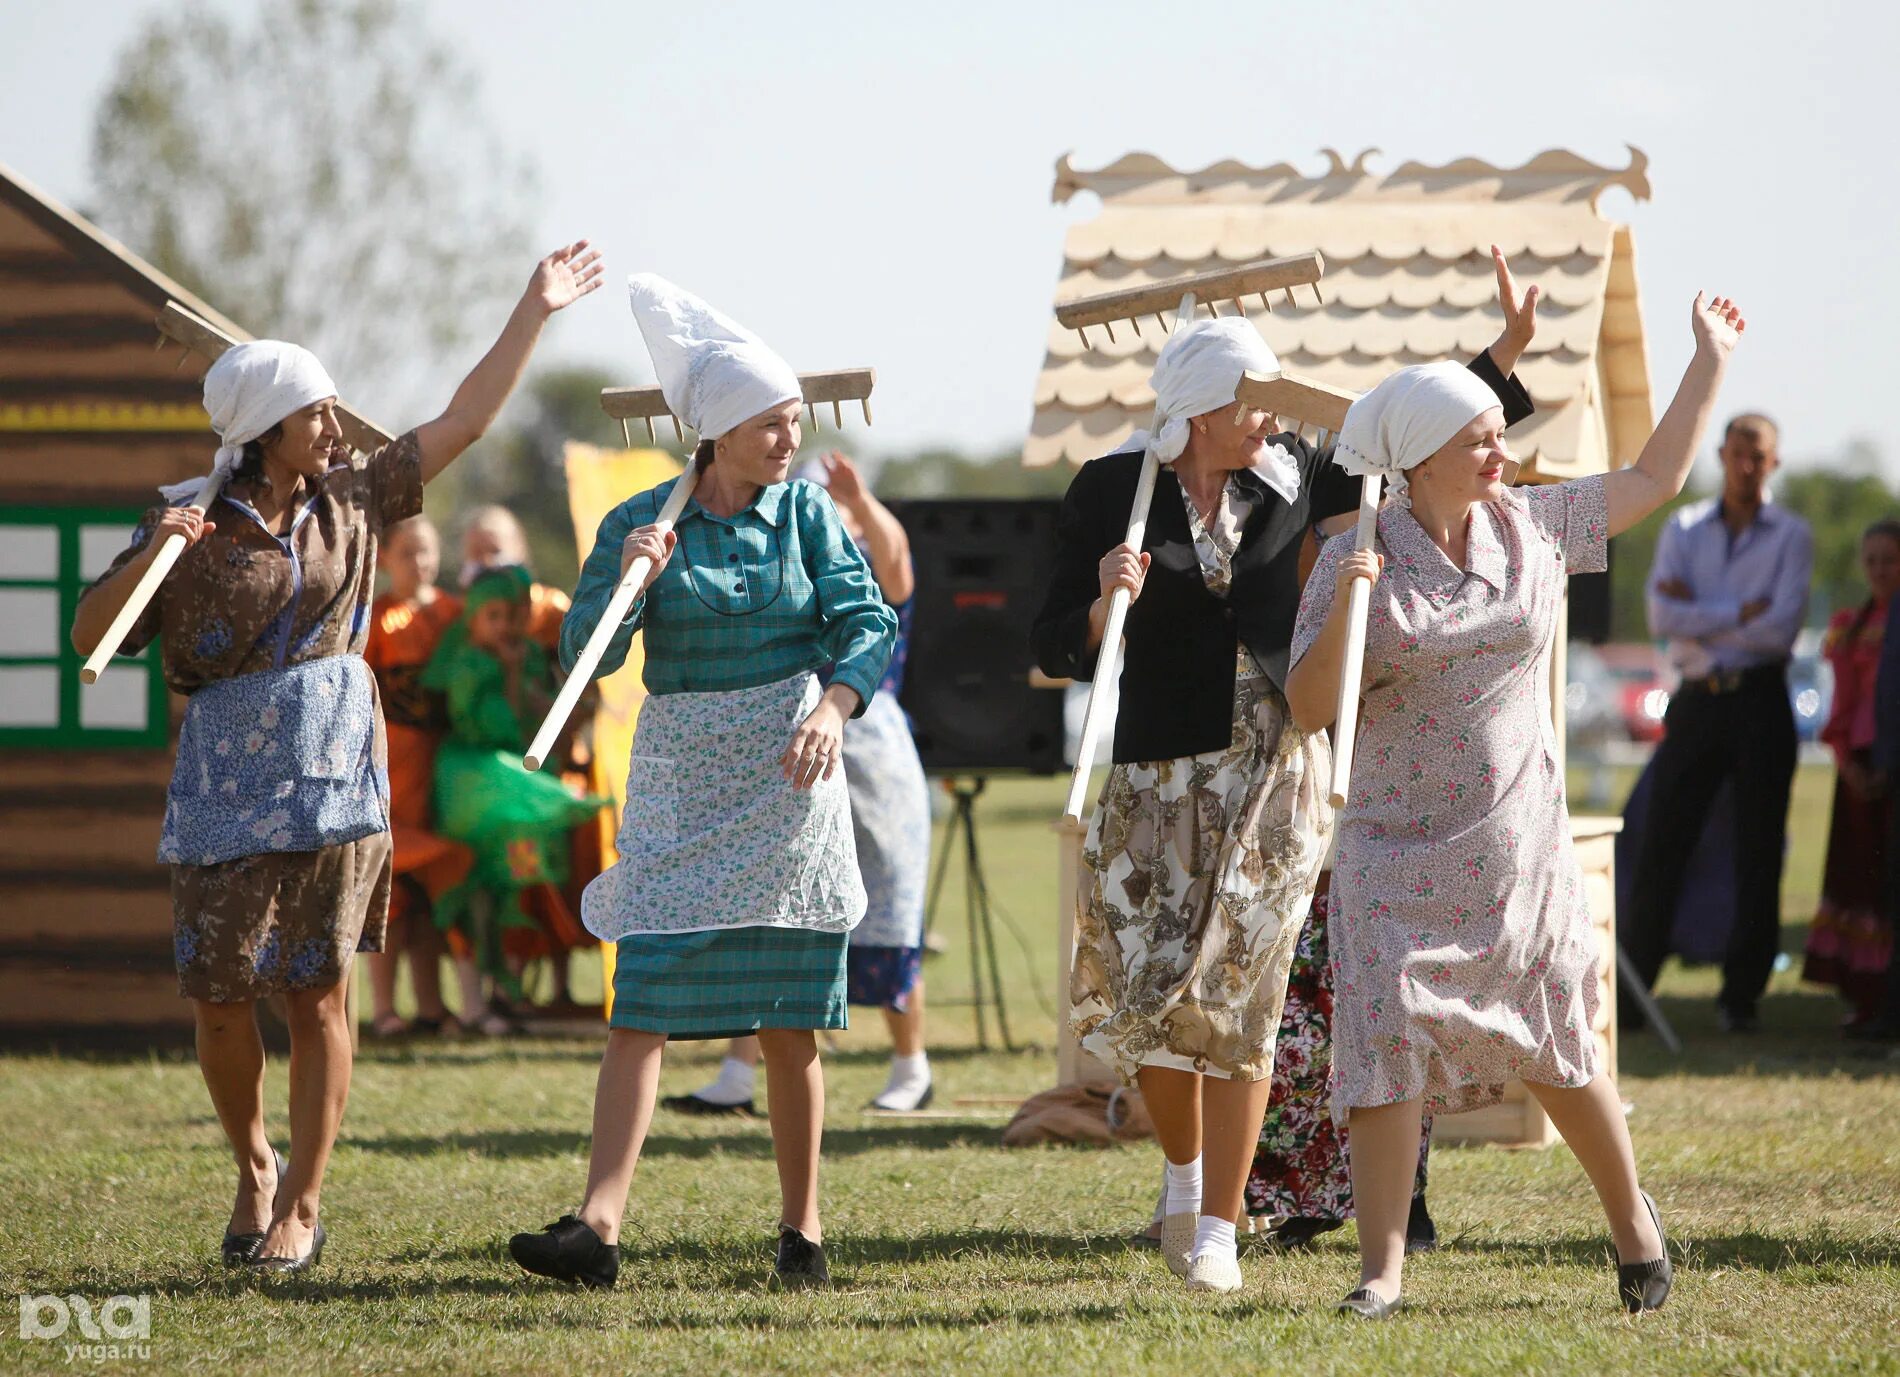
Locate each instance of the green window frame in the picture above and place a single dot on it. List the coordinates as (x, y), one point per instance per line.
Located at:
(67, 581)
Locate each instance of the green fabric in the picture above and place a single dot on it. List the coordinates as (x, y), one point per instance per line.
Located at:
(507, 582)
(746, 600)
(729, 982)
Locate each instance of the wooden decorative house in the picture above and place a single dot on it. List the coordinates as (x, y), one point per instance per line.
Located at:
(1408, 279)
(92, 420)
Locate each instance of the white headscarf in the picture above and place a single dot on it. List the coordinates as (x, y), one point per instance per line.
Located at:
(248, 390)
(714, 373)
(1198, 372)
(1407, 419)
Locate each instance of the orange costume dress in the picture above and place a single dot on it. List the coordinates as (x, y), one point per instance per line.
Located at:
(402, 637)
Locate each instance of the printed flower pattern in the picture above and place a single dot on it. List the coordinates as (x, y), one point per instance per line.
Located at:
(1461, 916)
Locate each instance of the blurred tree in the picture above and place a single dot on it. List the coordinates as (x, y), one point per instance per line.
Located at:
(323, 172)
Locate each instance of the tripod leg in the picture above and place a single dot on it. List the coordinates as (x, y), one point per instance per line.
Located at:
(943, 870)
(980, 887)
(966, 819)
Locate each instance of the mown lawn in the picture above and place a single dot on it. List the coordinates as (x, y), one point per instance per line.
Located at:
(1776, 1159)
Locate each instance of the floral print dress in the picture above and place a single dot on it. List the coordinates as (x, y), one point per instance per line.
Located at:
(1197, 874)
(244, 600)
(1462, 950)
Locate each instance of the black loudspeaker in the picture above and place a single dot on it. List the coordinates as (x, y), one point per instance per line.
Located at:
(982, 566)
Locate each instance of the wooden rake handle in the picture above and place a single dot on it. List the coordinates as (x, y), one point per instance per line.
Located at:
(1352, 666)
(144, 590)
(626, 593)
(1108, 661)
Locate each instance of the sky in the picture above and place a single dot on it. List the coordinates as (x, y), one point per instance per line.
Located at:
(869, 183)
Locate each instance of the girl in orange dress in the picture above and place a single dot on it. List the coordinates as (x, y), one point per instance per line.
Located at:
(406, 623)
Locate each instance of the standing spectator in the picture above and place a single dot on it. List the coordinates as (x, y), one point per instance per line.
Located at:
(1729, 588)
(1885, 1026)
(1851, 937)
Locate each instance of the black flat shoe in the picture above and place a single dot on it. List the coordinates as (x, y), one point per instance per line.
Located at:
(1366, 1304)
(237, 1249)
(1299, 1231)
(1645, 1285)
(1421, 1235)
(569, 1251)
(800, 1263)
(692, 1104)
(302, 1263)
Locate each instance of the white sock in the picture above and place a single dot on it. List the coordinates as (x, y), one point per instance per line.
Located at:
(910, 1077)
(1184, 1187)
(734, 1085)
(1214, 1237)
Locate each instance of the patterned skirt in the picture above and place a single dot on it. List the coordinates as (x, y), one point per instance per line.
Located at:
(1196, 876)
(1851, 940)
(730, 983)
(890, 821)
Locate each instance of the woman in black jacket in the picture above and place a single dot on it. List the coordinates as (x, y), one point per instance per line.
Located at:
(1212, 826)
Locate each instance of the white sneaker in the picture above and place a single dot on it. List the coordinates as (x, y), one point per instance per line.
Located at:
(1177, 1239)
(1219, 1272)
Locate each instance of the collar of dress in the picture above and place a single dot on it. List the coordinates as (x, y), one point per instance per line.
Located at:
(772, 506)
(1426, 565)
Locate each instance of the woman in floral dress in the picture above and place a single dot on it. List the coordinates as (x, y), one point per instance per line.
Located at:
(1463, 951)
(277, 824)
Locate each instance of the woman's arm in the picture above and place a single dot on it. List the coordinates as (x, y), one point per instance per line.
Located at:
(1663, 467)
(99, 604)
(560, 279)
(886, 544)
(1312, 687)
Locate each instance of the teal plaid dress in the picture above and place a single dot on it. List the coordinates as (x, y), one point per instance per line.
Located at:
(760, 598)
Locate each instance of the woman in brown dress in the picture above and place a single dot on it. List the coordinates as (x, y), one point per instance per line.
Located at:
(277, 821)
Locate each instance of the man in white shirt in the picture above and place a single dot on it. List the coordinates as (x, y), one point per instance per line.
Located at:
(1729, 589)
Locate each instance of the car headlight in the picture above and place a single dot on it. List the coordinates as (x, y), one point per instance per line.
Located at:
(1807, 702)
(1655, 704)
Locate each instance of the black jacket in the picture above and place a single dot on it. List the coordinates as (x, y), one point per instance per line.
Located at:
(1177, 678)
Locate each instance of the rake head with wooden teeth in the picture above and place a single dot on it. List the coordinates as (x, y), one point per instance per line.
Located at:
(1302, 401)
(647, 404)
(1210, 289)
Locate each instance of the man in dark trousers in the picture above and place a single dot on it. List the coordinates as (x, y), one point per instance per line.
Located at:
(1885, 1026)
(1729, 589)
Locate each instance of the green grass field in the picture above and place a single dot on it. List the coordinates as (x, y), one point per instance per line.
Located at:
(1776, 1160)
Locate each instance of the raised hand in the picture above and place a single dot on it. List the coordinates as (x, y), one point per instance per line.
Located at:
(1520, 315)
(842, 479)
(565, 276)
(1718, 326)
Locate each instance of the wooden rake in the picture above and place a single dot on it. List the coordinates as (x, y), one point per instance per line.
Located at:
(1306, 402)
(626, 404)
(1182, 294)
(1209, 289)
(176, 325)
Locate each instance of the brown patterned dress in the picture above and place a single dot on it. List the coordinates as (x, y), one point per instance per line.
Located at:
(244, 600)
(1197, 875)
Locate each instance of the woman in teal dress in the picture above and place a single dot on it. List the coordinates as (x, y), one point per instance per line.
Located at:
(737, 884)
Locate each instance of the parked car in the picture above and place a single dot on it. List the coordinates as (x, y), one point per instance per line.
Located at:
(1644, 683)
(1592, 701)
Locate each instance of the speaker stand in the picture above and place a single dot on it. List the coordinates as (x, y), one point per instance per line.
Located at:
(976, 898)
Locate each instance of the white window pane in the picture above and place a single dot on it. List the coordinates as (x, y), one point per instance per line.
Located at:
(29, 621)
(29, 696)
(100, 545)
(29, 552)
(119, 701)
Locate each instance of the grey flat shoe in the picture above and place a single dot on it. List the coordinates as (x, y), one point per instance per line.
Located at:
(302, 1263)
(1367, 1304)
(1646, 1285)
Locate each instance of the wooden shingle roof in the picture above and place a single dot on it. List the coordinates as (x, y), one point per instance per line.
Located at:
(1408, 280)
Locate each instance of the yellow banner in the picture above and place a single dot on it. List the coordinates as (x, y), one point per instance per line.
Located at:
(598, 480)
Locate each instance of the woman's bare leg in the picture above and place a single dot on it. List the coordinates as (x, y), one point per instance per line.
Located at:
(1384, 1164)
(1173, 1099)
(795, 1090)
(624, 1096)
(231, 1057)
(320, 1060)
(907, 1024)
(1231, 1115)
(1590, 1118)
(426, 950)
